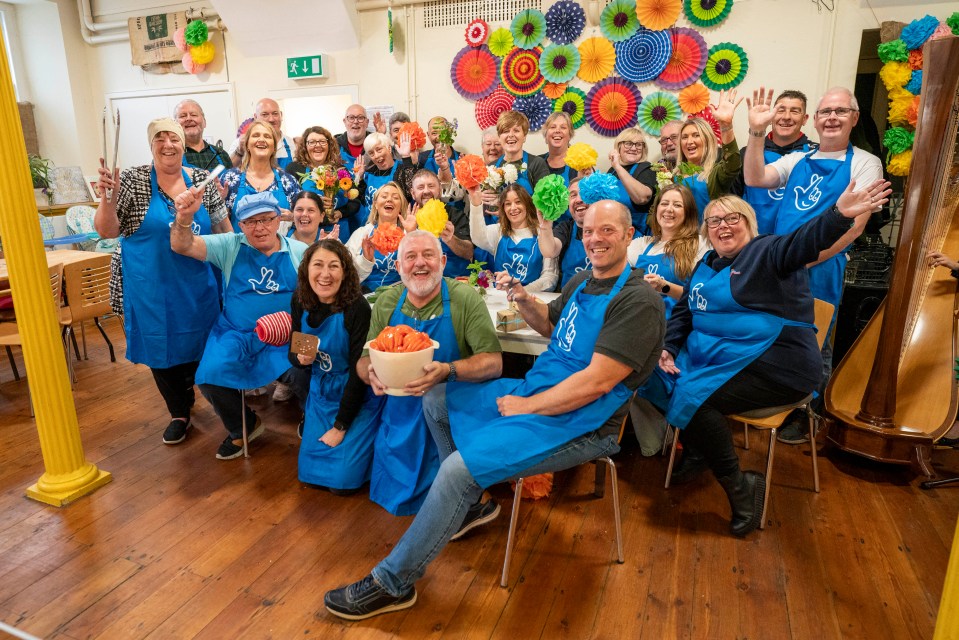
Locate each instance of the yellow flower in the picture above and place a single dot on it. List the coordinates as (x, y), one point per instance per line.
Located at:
(899, 111)
(346, 184)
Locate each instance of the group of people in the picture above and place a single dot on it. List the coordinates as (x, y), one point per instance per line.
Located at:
(688, 296)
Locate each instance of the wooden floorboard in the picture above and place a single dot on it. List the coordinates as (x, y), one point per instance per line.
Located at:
(181, 545)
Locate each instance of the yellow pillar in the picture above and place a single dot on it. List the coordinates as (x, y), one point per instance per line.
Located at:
(67, 474)
(947, 622)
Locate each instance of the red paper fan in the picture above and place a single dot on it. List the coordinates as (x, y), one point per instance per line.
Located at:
(475, 72)
(707, 115)
(519, 71)
(489, 108)
(476, 32)
(612, 105)
(687, 62)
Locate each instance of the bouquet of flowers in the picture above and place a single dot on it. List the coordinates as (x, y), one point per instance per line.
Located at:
(447, 132)
(499, 177)
(666, 177)
(330, 182)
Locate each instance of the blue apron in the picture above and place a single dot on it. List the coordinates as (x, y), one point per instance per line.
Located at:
(347, 465)
(520, 258)
(638, 216)
(575, 259)
(455, 265)
(523, 179)
(430, 161)
(338, 202)
(373, 183)
(246, 189)
(663, 266)
(384, 271)
(766, 202)
(234, 357)
(282, 162)
(726, 337)
(700, 193)
(813, 187)
(405, 459)
(495, 447)
(170, 302)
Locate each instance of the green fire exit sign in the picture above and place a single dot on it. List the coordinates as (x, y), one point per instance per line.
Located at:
(305, 67)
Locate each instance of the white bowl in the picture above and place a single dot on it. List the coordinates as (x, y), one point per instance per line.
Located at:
(395, 370)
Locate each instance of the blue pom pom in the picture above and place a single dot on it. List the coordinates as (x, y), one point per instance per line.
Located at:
(918, 31)
(915, 82)
(598, 186)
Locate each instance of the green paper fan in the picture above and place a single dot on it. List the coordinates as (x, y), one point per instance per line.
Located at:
(706, 13)
(500, 42)
(573, 103)
(528, 28)
(559, 62)
(657, 109)
(618, 21)
(725, 67)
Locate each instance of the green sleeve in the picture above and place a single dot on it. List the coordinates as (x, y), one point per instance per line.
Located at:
(726, 170)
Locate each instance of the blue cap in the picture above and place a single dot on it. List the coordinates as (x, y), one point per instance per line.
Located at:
(263, 202)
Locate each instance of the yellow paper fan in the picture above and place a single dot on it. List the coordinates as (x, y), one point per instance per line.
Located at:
(657, 15)
(694, 98)
(597, 59)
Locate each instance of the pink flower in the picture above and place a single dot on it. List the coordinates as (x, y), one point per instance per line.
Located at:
(482, 279)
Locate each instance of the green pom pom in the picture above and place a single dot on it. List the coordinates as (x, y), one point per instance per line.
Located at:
(897, 139)
(893, 51)
(953, 22)
(551, 197)
(196, 33)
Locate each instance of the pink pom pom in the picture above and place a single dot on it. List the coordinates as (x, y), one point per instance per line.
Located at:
(275, 328)
(179, 39)
(942, 31)
(190, 65)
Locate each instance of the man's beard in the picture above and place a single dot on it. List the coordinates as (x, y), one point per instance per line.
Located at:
(422, 288)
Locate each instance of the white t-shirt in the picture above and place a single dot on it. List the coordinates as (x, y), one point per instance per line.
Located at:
(866, 168)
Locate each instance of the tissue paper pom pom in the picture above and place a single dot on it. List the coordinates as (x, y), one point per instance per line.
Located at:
(918, 31)
(912, 113)
(179, 39)
(899, 163)
(417, 137)
(893, 51)
(581, 156)
(196, 33)
(432, 217)
(915, 82)
(953, 22)
(897, 139)
(895, 74)
(535, 487)
(203, 53)
(190, 64)
(598, 186)
(942, 31)
(915, 59)
(470, 170)
(898, 110)
(551, 196)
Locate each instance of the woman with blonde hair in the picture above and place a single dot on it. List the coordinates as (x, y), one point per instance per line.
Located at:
(627, 161)
(388, 213)
(558, 131)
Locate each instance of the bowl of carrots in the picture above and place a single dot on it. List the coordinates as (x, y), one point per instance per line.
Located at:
(398, 355)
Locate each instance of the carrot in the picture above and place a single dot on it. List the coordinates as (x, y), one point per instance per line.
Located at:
(401, 339)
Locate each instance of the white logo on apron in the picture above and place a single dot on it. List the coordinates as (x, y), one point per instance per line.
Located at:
(653, 269)
(566, 329)
(516, 267)
(324, 360)
(776, 194)
(387, 264)
(589, 265)
(265, 285)
(696, 298)
(808, 197)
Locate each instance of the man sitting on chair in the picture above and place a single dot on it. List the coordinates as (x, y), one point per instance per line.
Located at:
(565, 412)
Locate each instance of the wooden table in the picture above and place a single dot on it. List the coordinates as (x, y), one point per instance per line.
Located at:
(61, 256)
(525, 340)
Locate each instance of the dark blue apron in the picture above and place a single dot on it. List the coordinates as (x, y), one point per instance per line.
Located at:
(384, 271)
(170, 302)
(347, 465)
(523, 179)
(663, 266)
(373, 183)
(766, 202)
(455, 265)
(246, 189)
(495, 447)
(575, 259)
(520, 258)
(637, 215)
(405, 459)
(700, 193)
(234, 357)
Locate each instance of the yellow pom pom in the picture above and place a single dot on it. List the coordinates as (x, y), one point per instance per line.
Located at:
(899, 163)
(581, 156)
(432, 217)
(895, 74)
(899, 111)
(203, 53)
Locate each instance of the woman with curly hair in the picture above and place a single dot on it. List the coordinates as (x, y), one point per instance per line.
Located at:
(319, 148)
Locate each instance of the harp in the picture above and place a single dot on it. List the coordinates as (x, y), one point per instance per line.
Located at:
(894, 393)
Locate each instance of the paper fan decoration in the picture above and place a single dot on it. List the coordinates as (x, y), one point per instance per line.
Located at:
(476, 32)
(536, 108)
(565, 21)
(528, 28)
(656, 110)
(694, 98)
(573, 103)
(658, 14)
(553, 90)
(559, 62)
(644, 56)
(519, 72)
(618, 21)
(612, 105)
(500, 42)
(726, 66)
(707, 115)
(474, 72)
(597, 58)
(489, 108)
(706, 13)
(687, 61)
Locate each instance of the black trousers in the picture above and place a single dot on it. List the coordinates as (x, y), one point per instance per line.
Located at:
(708, 433)
(176, 387)
(228, 404)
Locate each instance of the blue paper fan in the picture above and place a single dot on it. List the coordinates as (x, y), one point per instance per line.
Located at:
(565, 21)
(644, 56)
(536, 108)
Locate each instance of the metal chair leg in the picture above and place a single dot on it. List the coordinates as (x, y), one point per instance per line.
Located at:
(616, 514)
(672, 456)
(246, 442)
(96, 321)
(769, 475)
(66, 352)
(76, 347)
(83, 339)
(746, 436)
(13, 364)
(812, 447)
(511, 536)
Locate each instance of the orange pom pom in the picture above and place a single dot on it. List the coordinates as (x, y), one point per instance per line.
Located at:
(915, 59)
(912, 113)
(470, 170)
(536, 487)
(417, 136)
(386, 238)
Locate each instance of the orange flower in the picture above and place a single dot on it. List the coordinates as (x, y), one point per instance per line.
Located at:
(915, 59)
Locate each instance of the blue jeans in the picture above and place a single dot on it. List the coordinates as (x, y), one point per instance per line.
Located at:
(453, 492)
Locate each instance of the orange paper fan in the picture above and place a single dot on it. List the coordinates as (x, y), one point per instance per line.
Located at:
(597, 59)
(553, 90)
(694, 98)
(657, 15)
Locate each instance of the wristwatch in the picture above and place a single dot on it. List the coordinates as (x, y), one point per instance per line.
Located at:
(452, 376)
(665, 288)
(339, 426)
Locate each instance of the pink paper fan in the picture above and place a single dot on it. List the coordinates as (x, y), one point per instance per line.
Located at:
(489, 108)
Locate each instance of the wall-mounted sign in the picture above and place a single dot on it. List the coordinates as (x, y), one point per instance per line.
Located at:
(305, 67)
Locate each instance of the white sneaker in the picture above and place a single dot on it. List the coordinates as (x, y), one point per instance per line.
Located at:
(282, 392)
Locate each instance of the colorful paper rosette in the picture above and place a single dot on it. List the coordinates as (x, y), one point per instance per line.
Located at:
(618, 21)
(536, 108)
(477, 32)
(687, 61)
(658, 14)
(416, 134)
(726, 66)
(899, 164)
(470, 170)
(553, 90)
(488, 109)
(706, 13)
(694, 98)
(500, 42)
(914, 86)
(475, 72)
(598, 186)
(519, 72)
(656, 110)
(573, 103)
(559, 62)
(707, 115)
(551, 196)
(612, 105)
(893, 51)
(581, 156)
(644, 56)
(597, 59)
(528, 28)
(565, 21)
(432, 217)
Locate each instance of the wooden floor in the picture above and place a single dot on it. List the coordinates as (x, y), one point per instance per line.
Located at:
(182, 545)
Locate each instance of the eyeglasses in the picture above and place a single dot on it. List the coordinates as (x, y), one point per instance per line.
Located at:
(732, 219)
(317, 143)
(356, 118)
(253, 224)
(633, 145)
(841, 112)
(666, 139)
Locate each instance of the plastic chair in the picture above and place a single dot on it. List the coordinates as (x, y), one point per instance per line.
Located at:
(46, 227)
(772, 418)
(80, 220)
(87, 298)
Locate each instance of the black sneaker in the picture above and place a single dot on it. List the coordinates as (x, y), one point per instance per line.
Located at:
(233, 447)
(478, 515)
(175, 432)
(365, 599)
(795, 432)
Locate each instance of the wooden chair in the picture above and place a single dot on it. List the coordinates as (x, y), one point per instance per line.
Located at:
(601, 464)
(772, 418)
(10, 331)
(87, 298)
